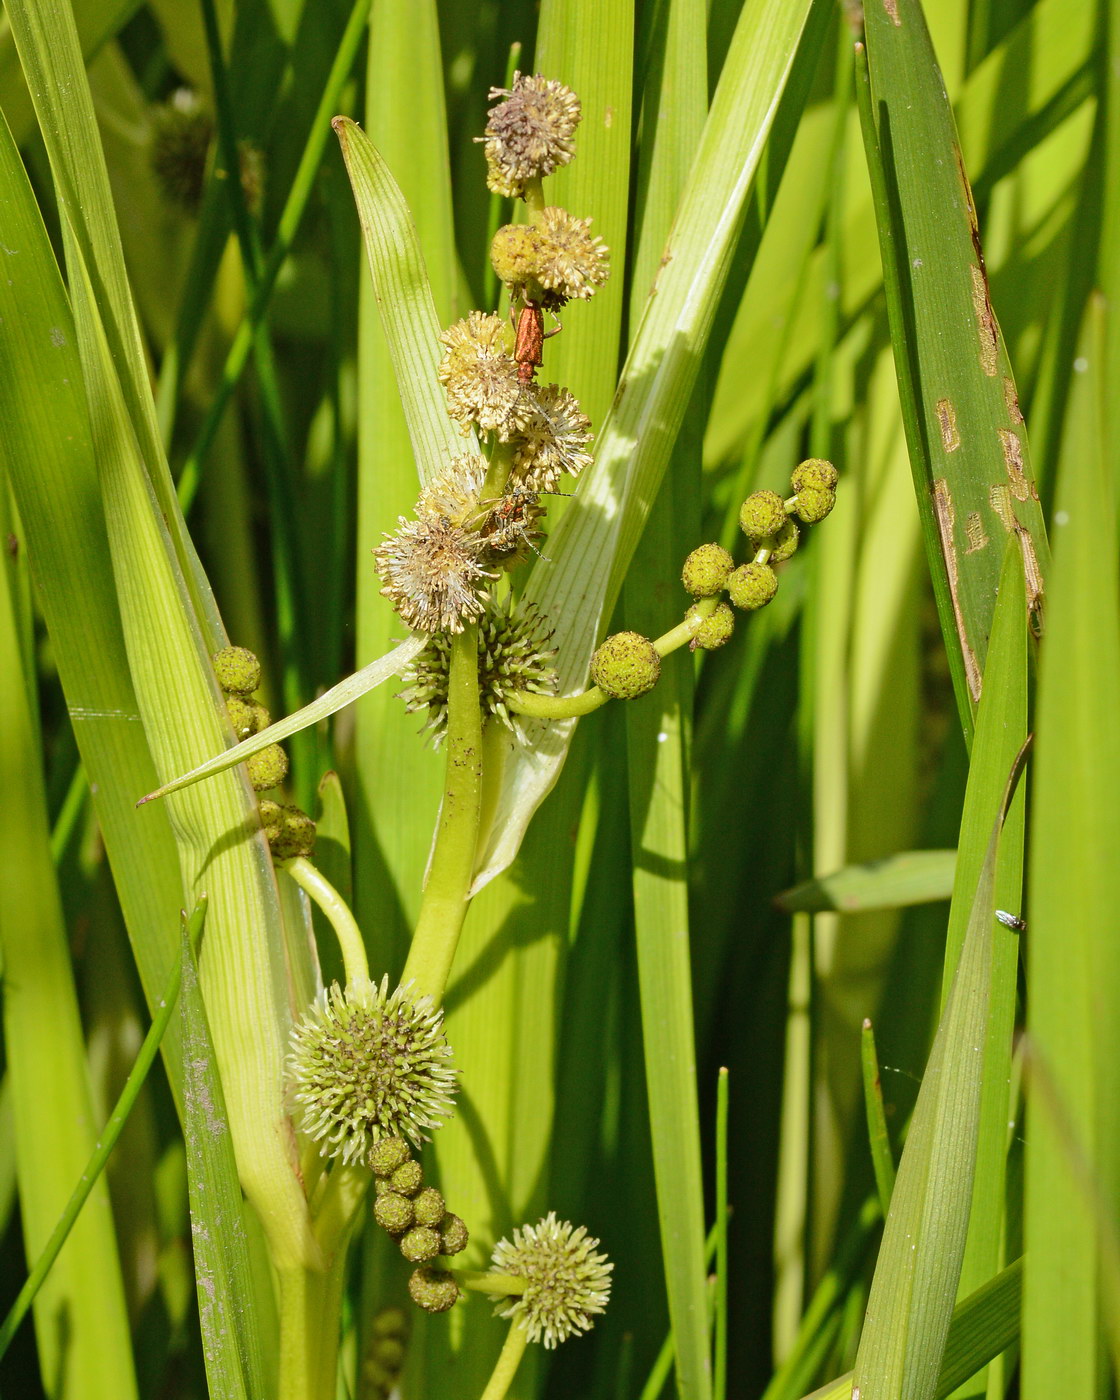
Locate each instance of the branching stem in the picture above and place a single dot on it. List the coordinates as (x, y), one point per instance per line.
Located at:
(349, 935)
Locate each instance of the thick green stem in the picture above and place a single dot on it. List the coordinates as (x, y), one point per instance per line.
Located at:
(349, 935)
(447, 893)
(534, 199)
(508, 1362)
(310, 1308)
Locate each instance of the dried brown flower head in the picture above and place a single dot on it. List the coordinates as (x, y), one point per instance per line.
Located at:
(529, 135)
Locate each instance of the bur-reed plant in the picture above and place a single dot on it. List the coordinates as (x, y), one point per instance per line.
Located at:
(439, 1092)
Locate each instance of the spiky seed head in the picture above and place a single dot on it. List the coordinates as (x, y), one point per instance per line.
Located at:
(429, 1207)
(393, 1212)
(715, 630)
(752, 586)
(480, 375)
(514, 257)
(182, 131)
(291, 835)
(567, 1282)
(814, 503)
(553, 439)
(706, 569)
(783, 544)
(529, 135)
(387, 1154)
(814, 472)
(434, 569)
(513, 655)
(453, 1235)
(268, 768)
(408, 1178)
(366, 1064)
(570, 262)
(434, 1290)
(238, 670)
(420, 1244)
(762, 513)
(626, 665)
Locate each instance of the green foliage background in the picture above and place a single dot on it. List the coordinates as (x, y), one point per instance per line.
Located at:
(854, 740)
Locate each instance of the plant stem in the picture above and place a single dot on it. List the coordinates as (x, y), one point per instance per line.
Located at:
(497, 1285)
(534, 198)
(349, 935)
(508, 1362)
(310, 1308)
(447, 893)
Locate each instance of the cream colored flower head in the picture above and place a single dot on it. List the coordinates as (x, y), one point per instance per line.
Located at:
(480, 375)
(553, 441)
(530, 133)
(567, 1283)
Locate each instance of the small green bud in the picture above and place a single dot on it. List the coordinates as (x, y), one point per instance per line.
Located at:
(626, 665)
(393, 1212)
(429, 1207)
(408, 1178)
(238, 670)
(390, 1322)
(294, 835)
(390, 1355)
(706, 569)
(783, 544)
(387, 1154)
(814, 503)
(514, 254)
(267, 769)
(272, 818)
(762, 513)
(241, 716)
(816, 474)
(453, 1235)
(381, 1185)
(752, 586)
(715, 630)
(419, 1244)
(434, 1290)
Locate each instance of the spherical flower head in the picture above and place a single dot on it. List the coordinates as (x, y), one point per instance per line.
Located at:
(514, 256)
(626, 665)
(434, 1290)
(706, 570)
(434, 569)
(238, 670)
(387, 1154)
(181, 134)
(241, 716)
(785, 542)
(480, 375)
(290, 833)
(419, 1244)
(367, 1065)
(752, 586)
(453, 1235)
(814, 472)
(553, 438)
(529, 135)
(715, 630)
(513, 655)
(428, 1206)
(570, 263)
(393, 1212)
(408, 1178)
(814, 503)
(567, 1282)
(268, 768)
(762, 513)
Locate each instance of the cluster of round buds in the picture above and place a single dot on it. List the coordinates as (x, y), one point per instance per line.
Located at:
(566, 1283)
(513, 655)
(366, 1065)
(417, 1218)
(385, 1352)
(529, 134)
(239, 673)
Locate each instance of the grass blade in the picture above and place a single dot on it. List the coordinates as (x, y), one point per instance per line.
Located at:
(912, 877)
